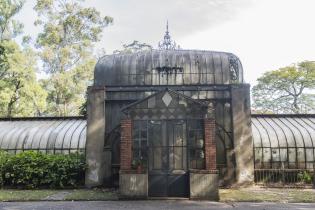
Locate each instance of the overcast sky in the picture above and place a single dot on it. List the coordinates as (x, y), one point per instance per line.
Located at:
(264, 34)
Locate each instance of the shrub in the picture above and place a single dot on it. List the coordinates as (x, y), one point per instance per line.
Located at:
(33, 169)
(305, 177)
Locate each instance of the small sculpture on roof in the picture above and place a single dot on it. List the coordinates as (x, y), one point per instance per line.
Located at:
(168, 43)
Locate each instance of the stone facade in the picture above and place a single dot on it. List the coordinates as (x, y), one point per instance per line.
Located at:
(242, 135)
(181, 86)
(95, 155)
(204, 185)
(133, 185)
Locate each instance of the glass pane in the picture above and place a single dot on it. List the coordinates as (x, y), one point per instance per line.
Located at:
(143, 143)
(179, 137)
(200, 164)
(136, 143)
(144, 134)
(178, 153)
(155, 134)
(157, 158)
(292, 157)
(275, 154)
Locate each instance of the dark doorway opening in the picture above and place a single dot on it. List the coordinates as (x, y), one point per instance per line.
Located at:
(167, 158)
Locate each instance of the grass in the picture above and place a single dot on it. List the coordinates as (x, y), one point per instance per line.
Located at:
(73, 194)
(253, 194)
(256, 194)
(24, 195)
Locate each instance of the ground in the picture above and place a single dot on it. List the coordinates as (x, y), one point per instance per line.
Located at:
(150, 205)
(255, 197)
(252, 194)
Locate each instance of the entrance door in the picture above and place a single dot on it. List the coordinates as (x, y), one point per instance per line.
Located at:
(168, 175)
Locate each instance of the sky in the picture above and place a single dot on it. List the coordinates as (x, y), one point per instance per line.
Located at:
(264, 34)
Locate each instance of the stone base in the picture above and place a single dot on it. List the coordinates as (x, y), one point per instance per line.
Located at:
(133, 185)
(204, 186)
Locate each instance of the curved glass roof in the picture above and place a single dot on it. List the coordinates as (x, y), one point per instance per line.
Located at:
(286, 140)
(49, 135)
(168, 67)
(279, 140)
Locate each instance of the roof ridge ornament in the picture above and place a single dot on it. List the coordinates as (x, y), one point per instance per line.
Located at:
(167, 43)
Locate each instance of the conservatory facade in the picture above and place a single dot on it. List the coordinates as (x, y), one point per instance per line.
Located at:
(170, 123)
(175, 123)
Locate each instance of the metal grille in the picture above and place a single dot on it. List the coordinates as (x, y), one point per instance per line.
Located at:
(195, 143)
(284, 177)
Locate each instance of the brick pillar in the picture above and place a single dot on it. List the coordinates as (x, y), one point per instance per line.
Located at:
(126, 144)
(210, 145)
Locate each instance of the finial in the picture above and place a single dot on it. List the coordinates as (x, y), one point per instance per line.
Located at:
(168, 43)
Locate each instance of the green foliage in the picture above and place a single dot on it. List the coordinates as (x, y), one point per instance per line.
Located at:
(66, 90)
(305, 177)
(10, 28)
(83, 107)
(133, 47)
(35, 169)
(3, 62)
(286, 90)
(20, 95)
(65, 48)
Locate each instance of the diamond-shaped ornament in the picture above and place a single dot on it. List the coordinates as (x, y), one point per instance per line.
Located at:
(167, 99)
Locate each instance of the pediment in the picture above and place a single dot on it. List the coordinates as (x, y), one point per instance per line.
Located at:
(166, 104)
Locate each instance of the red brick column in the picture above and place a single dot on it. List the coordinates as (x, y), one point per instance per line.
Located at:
(126, 144)
(210, 145)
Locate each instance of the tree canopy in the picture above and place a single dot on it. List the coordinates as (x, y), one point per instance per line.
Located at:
(133, 47)
(20, 94)
(286, 90)
(9, 27)
(65, 48)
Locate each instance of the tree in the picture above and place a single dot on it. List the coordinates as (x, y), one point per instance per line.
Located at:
(286, 90)
(3, 62)
(10, 28)
(20, 95)
(134, 47)
(66, 49)
(66, 89)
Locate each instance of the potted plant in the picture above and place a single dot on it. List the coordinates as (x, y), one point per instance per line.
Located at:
(138, 164)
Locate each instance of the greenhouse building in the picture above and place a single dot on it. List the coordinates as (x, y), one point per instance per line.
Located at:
(170, 123)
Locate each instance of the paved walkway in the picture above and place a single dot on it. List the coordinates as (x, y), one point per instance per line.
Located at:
(149, 205)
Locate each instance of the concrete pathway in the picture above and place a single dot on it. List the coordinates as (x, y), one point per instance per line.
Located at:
(150, 205)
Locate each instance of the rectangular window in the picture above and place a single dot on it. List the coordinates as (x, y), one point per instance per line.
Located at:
(196, 144)
(139, 144)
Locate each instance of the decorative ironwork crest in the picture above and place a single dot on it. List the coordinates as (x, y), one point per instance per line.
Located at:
(234, 69)
(168, 43)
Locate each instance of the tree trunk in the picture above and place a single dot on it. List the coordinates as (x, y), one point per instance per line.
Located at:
(296, 108)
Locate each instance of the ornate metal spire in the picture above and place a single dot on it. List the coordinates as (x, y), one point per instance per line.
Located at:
(168, 43)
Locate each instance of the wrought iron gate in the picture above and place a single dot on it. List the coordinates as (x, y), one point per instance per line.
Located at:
(168, 174)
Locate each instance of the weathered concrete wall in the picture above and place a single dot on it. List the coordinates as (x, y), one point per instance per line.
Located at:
(204, 186)
(133, 185)
(242, 135)
(95, 155)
